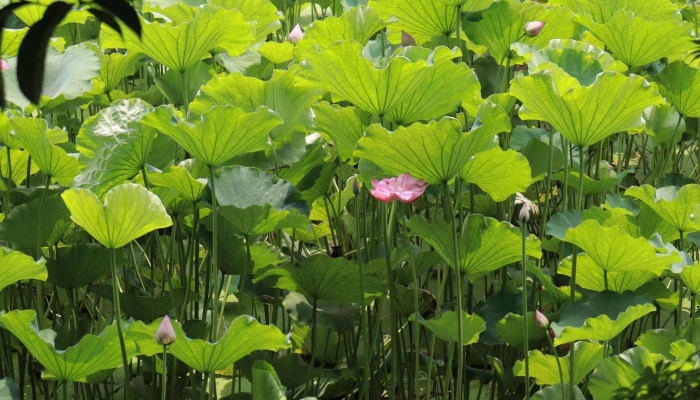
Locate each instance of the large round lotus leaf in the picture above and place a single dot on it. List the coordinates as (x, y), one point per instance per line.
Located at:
(446, 327)
(602, 317)
(39, 223)
(16, 266)
(90, 355)
(675, 205)
(621, 371)
(323, 278)
(244, 336)
(678, 83)
(81, 265)
(602, 11)
(128, 212)
(484, 245)
(543, 367)
(115, 147)
(222, 133)
(266, 384)
(184, 45)
(554, 96)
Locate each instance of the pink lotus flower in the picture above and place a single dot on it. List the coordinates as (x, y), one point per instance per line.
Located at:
(403, 188)
(165, 335)
(533, 28)
(4, 65)
(296, 34)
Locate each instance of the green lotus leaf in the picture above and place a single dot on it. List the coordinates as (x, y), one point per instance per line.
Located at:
(590, 185)
(613, 250)
(675, 205)
(485, 244)
(244, 187)
(129, 211)
(222, 133)
(446, 327)
(423, 19)
(16, 266)
(31, 13)
(469, 5)
(665, 125)
(571, 108)
(117, 66)
(678, 82)
(146, 308)
(115, 146)
(580, 60)
(258, 220)
(277, 53)
(437, 95)
(503, 24)
(358, 23)
(658, 341)
(418, 148)
(38, 223)
(403, 91)
(590, 276)
(181, 46)
(67, 76)
(510, 330)
(52, 160)
(171, 84)
(621, 371)
(691, 278)
(637, 41)
(244, 336)
(344, 126)
(499, 173)
(561, 222)
(645, 224)
(602, 11)
(178, 179)
(19, 162)
(543, 367)
(92, 354)
(80, 265)
(602, 317)
(8, 127)
(554, 392)
(266, 383)
(280, 94)
(11, 40)
(262, 13)
(326, 279)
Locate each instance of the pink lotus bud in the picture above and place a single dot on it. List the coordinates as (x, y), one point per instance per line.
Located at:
(541, 320)
(533, 28)
(525, 212)
(407, 39)
(296, 34)
(165, 335)
(4, 65)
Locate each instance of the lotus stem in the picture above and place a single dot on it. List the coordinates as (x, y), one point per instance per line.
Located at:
(388, 238)
(363, 304)
(118, 318)
(164, 386)
(526, 330)
(185, 95)
(458, 278)
(579, 204)
(214, 256)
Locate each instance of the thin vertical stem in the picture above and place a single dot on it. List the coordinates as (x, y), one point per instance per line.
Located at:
(214, 256)
(526, 331)
(164, 386)
(118, 318)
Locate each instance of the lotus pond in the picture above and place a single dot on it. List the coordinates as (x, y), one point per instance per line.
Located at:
(350, 199)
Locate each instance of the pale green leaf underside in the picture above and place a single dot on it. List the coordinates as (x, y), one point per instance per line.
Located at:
(499, 173)
(16, 266)
(129, 211)
(545, 370)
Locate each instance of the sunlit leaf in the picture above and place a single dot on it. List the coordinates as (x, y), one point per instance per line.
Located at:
(485, 243)
(621, 371)
(675, 205)
(222, 133)
(499, 173)
(446, 327)
(16, 266)
(128, 212)
(678, 83)
(544, 368)
(244, 336)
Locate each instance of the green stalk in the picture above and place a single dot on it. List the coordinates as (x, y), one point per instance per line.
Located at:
(165, 373)
(118, 317)
(186, 100)
(365, 319)
(526, 332)
(389, 230)
(548, 185)
(579, 204)
(214, 256)
(460, 297)
(556, 355)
